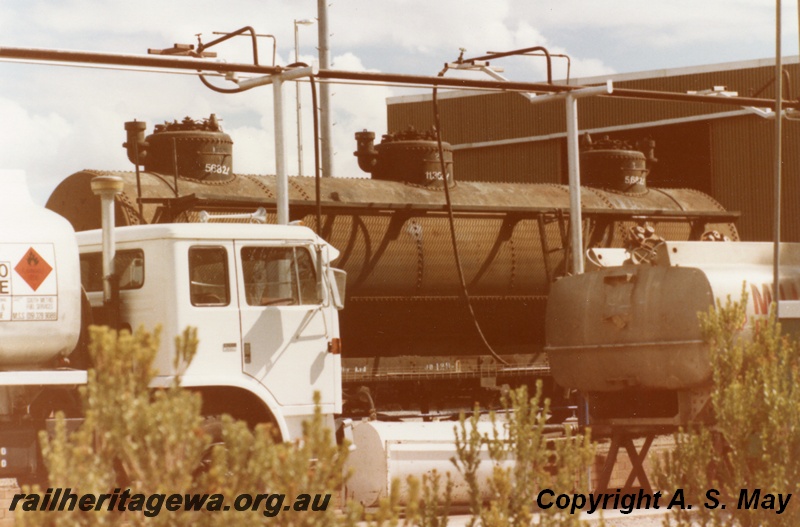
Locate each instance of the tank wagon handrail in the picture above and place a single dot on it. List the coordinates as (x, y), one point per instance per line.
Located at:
(116, 59)
(650, 214)
(623, 345)
(192, 201)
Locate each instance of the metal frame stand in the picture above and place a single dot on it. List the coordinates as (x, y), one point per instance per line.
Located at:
(618, 440)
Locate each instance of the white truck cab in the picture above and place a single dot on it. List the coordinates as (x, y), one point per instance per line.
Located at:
(263, 298)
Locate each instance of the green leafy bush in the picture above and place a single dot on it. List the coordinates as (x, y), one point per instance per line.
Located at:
(155, 441)
(755, 441)
(540, 462)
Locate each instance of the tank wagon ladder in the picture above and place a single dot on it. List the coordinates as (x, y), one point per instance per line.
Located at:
(544, 221)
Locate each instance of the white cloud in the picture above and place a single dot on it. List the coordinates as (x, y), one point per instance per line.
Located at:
(28, 140)
(355, 108)
(253, 149)
(667, 27)
(58, 120)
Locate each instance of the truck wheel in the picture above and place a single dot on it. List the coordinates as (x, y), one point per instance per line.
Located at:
(212, 425)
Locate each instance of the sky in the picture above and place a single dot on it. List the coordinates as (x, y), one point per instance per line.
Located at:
(57, 120)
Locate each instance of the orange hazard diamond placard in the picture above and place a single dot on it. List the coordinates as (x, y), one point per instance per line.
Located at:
(33, 269)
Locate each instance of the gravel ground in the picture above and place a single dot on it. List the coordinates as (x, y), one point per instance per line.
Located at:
(649, 518)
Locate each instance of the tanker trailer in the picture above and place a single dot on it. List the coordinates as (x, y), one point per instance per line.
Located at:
(628, 338)
(42, 322)
(409, 343)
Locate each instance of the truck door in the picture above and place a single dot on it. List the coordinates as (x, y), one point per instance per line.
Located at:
(285, 331)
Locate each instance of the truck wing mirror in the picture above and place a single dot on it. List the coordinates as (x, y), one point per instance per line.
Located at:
(338, 280)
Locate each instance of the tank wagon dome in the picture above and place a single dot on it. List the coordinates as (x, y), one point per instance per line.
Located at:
(616, 165)
(409, 156)
(196, 150)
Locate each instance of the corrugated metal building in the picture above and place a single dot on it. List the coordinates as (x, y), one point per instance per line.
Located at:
(722, 150)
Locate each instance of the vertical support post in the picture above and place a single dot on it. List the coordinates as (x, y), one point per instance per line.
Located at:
(299, 112)
(281, 178)
(776, 253)
(297, 24)
(573, 161)
(325, 90)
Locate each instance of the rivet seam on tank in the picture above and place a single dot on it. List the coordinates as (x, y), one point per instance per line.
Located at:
(414, 228)
(129, 210)
(301, 190)
(260, 184)
(512, 283)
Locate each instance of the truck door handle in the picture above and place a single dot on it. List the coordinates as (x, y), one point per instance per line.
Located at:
(247, 353)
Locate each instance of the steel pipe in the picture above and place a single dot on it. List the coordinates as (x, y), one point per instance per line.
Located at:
(35, 54)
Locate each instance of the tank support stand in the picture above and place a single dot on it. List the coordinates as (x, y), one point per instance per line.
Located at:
(619, 440)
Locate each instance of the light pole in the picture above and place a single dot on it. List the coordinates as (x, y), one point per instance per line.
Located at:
(326, 127)
(297, 23)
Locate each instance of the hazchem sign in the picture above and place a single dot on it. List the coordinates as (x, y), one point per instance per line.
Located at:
(28, 287)
(33, 268)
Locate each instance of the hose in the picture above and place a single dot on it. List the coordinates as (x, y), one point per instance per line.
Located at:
(317, 171)
(451, 220)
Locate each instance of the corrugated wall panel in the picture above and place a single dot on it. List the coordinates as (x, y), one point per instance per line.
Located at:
(747, 81)
(471, 119)
(791, 182)
(478, 118)
(527, 163)
(742, 172)
(743, 175)
(496, 117)
(599, 112)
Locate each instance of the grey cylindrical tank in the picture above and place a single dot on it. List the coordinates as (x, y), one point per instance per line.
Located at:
(633, 326)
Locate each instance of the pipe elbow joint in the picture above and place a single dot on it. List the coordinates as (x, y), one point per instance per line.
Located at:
(365, 151)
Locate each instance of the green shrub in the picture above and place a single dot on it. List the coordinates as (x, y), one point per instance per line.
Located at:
(156, 442)
(755, 441)
(541, 462)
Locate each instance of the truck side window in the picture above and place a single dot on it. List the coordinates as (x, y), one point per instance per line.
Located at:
(279, 276)
(208, 276)
(128, 265)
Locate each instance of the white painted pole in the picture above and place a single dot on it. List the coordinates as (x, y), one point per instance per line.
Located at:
(297, 24)
(281, 178)
(326, 128)
(776, 253)
(299, 113)
(573, 162)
